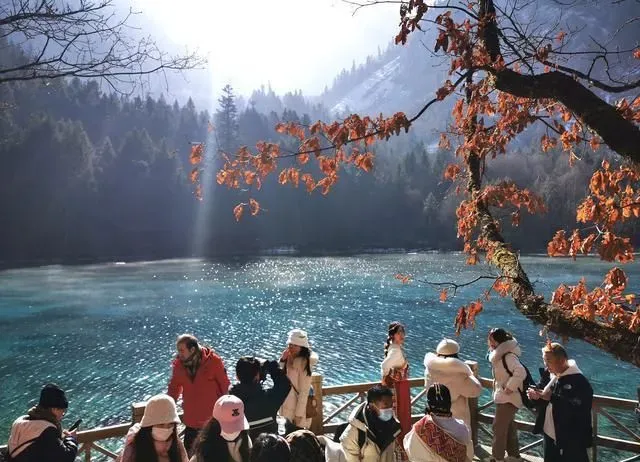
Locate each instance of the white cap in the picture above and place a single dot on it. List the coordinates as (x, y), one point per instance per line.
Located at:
(298, 337)
(448, 347)
(161, 409)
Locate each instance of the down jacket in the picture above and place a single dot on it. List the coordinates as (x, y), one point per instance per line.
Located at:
(458, 378)
(47, 443)
(369, 452)
(501, 378)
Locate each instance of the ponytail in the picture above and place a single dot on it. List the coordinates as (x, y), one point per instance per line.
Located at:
(387, 345)
(393, 329)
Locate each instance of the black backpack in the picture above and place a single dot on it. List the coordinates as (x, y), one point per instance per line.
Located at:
(526, 383)
(362, 436)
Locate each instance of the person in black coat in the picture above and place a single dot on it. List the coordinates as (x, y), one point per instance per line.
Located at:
(564, 398)
(260, 404)
(38, 436)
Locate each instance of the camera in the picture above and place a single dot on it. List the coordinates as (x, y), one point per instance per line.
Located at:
(262, 368)
(266, 367)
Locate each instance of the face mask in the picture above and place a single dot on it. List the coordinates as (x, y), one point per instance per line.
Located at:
(385, 415)
(230, 436)
(161, 434)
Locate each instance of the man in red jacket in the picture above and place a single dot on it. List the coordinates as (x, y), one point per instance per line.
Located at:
(199, 375)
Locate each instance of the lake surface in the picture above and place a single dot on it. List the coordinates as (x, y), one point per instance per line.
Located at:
(106, 332)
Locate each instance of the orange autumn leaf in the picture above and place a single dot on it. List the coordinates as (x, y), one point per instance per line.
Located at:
(636, 53)
(561, 35)
(502, 287)
(254, 206)
(444, 142)
(559, 246)
(309, 182)
(404, 278)
(451, 172)
(194, 175)
(443, 295)
(197, 151)
(284, 177)
(237, 211)
(303, 159)
(515, 218)
(198, 192)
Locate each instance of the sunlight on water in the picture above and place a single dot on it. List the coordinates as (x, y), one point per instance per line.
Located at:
(106, 332)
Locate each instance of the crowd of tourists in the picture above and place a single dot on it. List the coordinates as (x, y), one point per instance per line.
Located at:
(251, 421)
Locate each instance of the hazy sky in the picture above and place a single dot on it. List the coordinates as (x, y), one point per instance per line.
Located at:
(293, 44)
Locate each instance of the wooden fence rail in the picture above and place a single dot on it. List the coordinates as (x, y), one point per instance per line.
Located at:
(480, 419)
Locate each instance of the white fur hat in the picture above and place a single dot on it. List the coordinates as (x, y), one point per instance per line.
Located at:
(298, 337)
(161, 409)
(448, 347)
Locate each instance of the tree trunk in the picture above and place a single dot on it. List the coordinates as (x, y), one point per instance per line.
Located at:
(621, 135)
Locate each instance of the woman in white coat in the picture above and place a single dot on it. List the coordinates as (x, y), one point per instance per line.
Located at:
(446, 368)
(298, 362)
(504, 350)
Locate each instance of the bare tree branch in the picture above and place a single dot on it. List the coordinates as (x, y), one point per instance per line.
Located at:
(86, 39)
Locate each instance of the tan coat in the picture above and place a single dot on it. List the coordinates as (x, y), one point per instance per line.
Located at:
(294, 407)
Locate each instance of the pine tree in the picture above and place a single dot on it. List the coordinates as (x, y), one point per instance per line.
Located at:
(227, 121)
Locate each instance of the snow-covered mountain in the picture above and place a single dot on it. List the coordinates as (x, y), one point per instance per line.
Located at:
(404, 78)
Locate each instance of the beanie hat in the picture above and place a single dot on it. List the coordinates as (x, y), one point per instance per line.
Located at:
(161, 409)
(438, 399)
(298, 337)
(229, 411)
(448, 347)
(52, 396)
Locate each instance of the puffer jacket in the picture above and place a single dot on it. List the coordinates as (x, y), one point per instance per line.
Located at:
(458, 378)
(369, 452)
(199, 395)
(47, 443)
(501, 378)
(295, 405)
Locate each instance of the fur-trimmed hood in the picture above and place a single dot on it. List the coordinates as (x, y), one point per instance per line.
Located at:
(510, 346)
(441, 365)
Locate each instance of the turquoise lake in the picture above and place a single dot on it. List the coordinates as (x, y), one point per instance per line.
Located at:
(106, 332)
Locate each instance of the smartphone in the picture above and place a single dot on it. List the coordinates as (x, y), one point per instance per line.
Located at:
(75, 425)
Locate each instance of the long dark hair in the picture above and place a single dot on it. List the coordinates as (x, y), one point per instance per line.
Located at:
(210, 445)
(394, 328)
(500, 335)
(145, 451)
(306, 354)
(270, 448)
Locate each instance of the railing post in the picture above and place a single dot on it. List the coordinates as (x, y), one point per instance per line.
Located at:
(317, 426)
(594, 424)
(137, 411)
(87, 453)
(473, 405)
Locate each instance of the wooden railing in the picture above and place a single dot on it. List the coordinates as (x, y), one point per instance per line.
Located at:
(325, 397)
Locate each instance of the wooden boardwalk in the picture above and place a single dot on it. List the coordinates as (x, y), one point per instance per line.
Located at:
(483, 454)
